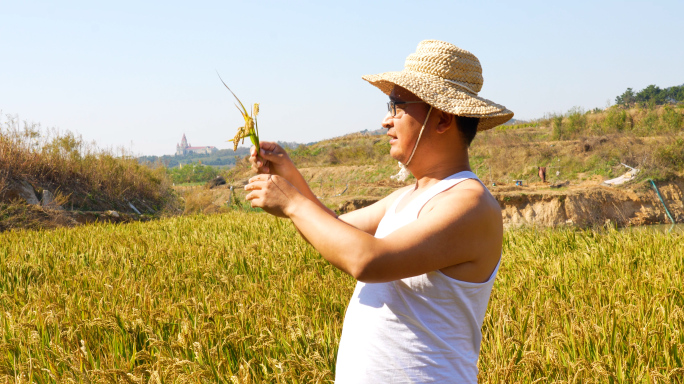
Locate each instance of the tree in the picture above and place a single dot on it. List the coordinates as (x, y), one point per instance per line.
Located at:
(626, 98)
(651, 93)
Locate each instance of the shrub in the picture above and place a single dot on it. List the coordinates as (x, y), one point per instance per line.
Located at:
(650, 122)
(615, 120)
(672, 156)
(672, 119)
(557, 122)
(192, 173)
(576, 121)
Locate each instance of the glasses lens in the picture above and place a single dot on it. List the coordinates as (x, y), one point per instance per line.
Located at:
(392, 108)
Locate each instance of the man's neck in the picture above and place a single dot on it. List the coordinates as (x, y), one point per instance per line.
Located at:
(428, 176)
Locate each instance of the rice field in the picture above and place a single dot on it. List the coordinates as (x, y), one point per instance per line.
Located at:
(240, 298)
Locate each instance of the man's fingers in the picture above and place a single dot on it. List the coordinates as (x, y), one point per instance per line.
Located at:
(268, 145)
(254, 201)
(264, 154)
(258, 181)
(272, 155)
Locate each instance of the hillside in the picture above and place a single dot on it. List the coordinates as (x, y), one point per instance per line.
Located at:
(49, 179)
(580, 150)
(62, 177)
(577, 145)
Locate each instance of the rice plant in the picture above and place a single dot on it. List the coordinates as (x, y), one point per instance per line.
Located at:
(251, 128)
(240, 298)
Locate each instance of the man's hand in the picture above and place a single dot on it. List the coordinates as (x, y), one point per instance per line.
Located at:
(271, 159)
(274, 194)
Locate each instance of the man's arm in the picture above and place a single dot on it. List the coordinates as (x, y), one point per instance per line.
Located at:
(467, 232)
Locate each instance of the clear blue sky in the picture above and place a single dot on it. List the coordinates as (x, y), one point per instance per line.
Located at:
(140, 74)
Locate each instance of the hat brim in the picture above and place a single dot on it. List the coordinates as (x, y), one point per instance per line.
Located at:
(443, 95)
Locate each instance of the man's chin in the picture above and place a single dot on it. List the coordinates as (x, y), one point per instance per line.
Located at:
(398, 157)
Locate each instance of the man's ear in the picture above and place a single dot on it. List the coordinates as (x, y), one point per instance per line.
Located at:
(446, 121)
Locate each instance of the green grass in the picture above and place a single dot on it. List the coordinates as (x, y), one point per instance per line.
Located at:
(238, 297)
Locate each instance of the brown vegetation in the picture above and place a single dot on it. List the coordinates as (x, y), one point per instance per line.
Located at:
(76, 176)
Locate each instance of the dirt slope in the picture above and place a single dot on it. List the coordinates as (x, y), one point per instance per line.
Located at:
(577, 203)
(587, 205)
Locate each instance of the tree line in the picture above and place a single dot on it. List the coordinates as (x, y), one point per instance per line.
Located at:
(651, 95)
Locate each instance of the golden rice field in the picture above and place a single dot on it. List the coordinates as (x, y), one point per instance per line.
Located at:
(240, 298)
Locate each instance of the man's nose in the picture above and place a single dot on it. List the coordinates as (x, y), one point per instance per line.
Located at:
(388, 121)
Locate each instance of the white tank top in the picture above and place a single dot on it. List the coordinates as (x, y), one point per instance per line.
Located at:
(420, 329)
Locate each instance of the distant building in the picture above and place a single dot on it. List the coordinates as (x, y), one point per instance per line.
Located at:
(184, 148)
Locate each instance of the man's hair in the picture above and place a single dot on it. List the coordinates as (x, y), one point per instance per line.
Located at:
(468, 127)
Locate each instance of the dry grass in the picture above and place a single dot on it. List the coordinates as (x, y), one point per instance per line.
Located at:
(240, 298)
(88, 178)
(207, 201)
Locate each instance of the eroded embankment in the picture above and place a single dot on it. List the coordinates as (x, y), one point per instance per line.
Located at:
(581, 205)
(592, 205)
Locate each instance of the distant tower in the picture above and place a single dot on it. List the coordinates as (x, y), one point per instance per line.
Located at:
(183, 147)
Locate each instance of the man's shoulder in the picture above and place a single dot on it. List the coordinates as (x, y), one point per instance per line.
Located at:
(467, 196)
(470, 189)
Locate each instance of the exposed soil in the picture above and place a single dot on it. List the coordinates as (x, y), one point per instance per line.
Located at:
(582, 204)
(29, 216)
(590, 203)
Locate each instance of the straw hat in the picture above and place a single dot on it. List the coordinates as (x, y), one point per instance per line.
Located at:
(448, 78)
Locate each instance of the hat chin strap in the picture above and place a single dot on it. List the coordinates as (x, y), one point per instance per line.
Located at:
(403, 171)
(419, 136)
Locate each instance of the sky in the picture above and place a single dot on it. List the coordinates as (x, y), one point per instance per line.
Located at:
(137, 75)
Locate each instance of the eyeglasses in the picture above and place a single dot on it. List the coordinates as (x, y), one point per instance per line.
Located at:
(392, 105)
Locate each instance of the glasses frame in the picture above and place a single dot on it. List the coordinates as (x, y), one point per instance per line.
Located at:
(392, 105)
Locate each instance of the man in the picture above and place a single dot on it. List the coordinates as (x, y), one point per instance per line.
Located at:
(542, 173)
(425, 257)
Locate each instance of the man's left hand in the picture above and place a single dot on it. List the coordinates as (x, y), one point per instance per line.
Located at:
(273, 194)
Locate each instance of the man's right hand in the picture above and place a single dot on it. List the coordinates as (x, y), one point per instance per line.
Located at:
(272, 159)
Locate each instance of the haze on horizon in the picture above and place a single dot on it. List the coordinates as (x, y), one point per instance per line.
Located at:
(139, 75)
